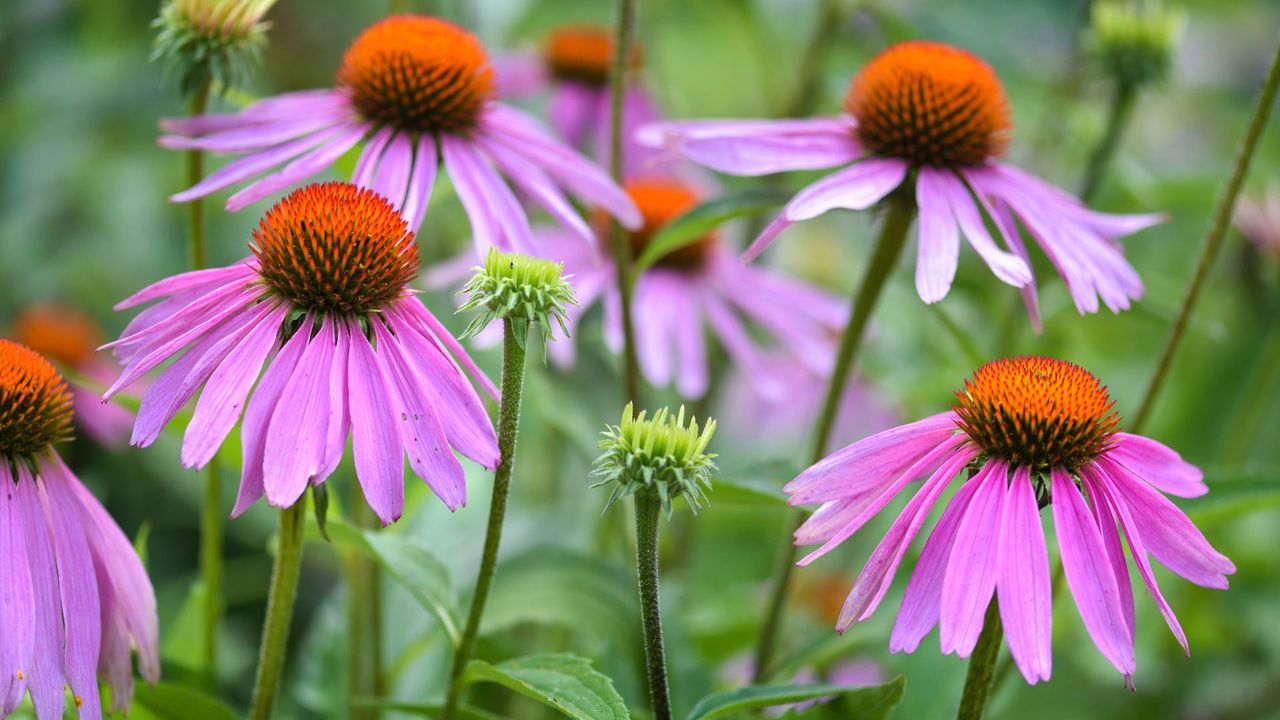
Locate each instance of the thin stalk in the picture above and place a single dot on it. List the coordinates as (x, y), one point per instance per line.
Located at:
(1214, 236)
(275, 629)
(211, 509)
(648, 514)
(893, 236)
(622, 260)
(513, 361)
(1122, 103)
(982, 665)
(364, 626)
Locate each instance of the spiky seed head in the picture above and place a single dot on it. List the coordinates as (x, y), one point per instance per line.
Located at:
(526, 290)
(1134, 43)
(663, 455)
(35, 404)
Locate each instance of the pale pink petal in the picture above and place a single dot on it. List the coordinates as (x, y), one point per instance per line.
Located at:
(1026, 598)
(423, 179)
(496, 216)
(391, 177)
(250, 165)
(939, 237)
(371, 157)
(1158, 465)
(656, 303)
(973, 567)
(258, 136)
(300, 169)
(1007, 266)
(855, 188)
(691, 352)
(735, 339)
(757, 147)
(533, 181)
(573, 110)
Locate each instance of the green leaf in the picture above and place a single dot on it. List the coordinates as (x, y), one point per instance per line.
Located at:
(413, 567)
(862, 703)
(737, 492)
(704, 218)
(171, 701)
(421, 710)
(183, 639)
(565, 682)
(562, 588)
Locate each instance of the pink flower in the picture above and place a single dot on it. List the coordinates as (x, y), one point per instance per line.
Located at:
(407, 84)
(68, 336)
(1259, 221)
(76, 598)
(1027, 432)
(575, 64)
(931, 120)
(351, 349)
(850, 673)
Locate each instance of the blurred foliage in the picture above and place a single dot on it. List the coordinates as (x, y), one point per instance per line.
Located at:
(84, 219)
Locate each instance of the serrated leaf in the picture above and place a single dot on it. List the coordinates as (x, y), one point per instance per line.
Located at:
(704, 218)
(563, 681)
(861, 703)
(179, 703)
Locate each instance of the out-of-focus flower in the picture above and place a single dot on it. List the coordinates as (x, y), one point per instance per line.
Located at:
(352, 349)
(1134, 43)
(210, 41)
(851, 673)
(575, 63)
(407, 85)
(931, 120)
(662, 455)
(1258, 219)
(1027, 432)
(75, 597)
(68, 337)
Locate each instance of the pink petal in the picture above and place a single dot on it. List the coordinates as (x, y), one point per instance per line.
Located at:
(250, 165)
(299, 169)
(431, 327)
(339, 422)
(972, 569)
(1026, 598)
(765, 155)
(423, 179)
(939, 237)
(295, 439)
(496, 216)
(17, 600)
(533, 181)
(855, 188)
(1006, 266)
(371, 157)
(45, 677)
(1158, 465)
(375, 440)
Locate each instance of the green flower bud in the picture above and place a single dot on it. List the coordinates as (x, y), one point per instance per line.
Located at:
(1134, 43)
(208, 42)
(522, 289)
(661, 455)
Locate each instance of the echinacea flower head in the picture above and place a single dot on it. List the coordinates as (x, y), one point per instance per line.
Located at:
(930, 121)
(526, 290)
(210, 41)
(662, 454)
(1025, 433)
(69, 337)
(74, 596)
(406, 86)
(1134, 43)
(324, 302)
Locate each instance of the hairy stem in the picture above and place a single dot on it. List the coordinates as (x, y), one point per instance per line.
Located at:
(648, 514)
(1214, 236)
(622, 260)
(513, 361)
(982, 667)
(893, 236)
(284, 590)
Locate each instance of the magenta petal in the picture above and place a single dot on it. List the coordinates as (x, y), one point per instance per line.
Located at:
(1089, 574)
(1026, 598)
(375, 437)
(423, 179)
(300, 169)
(1106, 520)
(391, 177)
(496, 216)
(295, 439)
(939, 249)
(432, 328)
(533, 181)
(17, 600)
(339, 423)
(46, 679)
(972, 569)
(1159, 466)
(370, 157)
(922, 601)
(258, 414)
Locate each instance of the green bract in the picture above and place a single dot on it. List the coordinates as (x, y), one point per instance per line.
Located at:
(662, 455)
(210, 42)
(519, 288)
(1134, 43)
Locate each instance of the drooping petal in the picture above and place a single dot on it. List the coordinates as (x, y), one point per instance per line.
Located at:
(246, 167)
(1026, 598)
(391, 177)
(423, 179)
(1007, 266)
(496, 216)
(371, 157)
(299, 426)
(1089, 574)
(17, 599)
(973, 567)
(534, 182)
(375, 436)
(1158, 465)
(735, 339)
(691, 352)
(1106, 522)
(431, 327)
(857, 187)
(46, 680)
(338, 426)
(299, 169)
(757, 147)
(939, 247)
(657, 301)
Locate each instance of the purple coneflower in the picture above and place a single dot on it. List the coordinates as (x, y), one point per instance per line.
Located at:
(1027, 432)
(326, 297)
(415, 90)
(75, 597)
(933, 120)
(68, 337)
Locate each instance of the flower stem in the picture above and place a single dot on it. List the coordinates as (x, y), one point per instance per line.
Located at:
(513, 361)
(648, 512)
(982, 666)
(275, 629)
(625, 32)
(1122, 103)
(1214, 237)
(211, 510)
(893, 236)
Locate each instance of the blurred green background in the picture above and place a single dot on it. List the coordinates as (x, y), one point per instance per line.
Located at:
(84, 220)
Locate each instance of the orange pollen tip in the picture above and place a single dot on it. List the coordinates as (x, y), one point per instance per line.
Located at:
(930, 104)
(584, 53)
(660, 201)
(61, 332)
(418, 74)
(335, 248)
(35, 405)
(1037, 412)
(20, 675)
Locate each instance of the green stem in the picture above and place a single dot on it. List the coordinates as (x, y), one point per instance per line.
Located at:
(364, 652)
(275, 629)
(1259, 398)
(1121, 110)
(1214, 237)
(982, 665)
(513, 361)
(622, 260)
(648, 514)
(893, 236)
